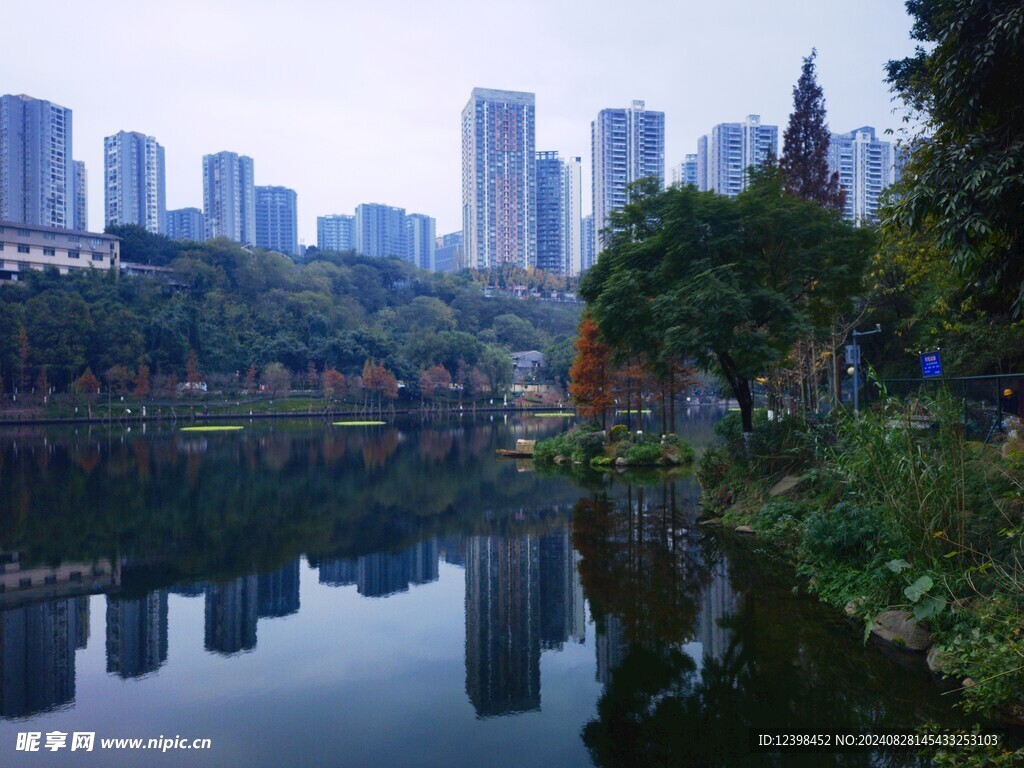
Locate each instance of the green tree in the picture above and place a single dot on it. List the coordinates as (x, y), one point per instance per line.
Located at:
(804, 161)
(731, 282)
(965, 178)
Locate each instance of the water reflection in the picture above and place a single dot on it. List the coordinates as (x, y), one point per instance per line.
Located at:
(136, 634)
(690, 640)
(37, 648)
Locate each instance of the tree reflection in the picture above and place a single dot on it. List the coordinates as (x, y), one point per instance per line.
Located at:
(697, 650)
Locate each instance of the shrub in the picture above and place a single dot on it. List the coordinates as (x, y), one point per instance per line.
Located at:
(643, 454)
(676, 451)
(842, 532)
(618, 432)
(579, 445)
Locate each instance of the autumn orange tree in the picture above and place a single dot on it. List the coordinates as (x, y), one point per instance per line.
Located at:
(590, 376)
(332, 383)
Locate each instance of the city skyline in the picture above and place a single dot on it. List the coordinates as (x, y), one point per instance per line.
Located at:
(335, 163)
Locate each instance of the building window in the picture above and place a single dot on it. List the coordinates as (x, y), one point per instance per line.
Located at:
(97, 257)
(49, 235)
(22, 249)
(24, 232)
(49, 252)
(72, 254)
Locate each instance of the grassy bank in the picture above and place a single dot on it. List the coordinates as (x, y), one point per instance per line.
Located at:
(898, 511)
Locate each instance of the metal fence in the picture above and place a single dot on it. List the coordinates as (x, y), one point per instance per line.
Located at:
(988, 400)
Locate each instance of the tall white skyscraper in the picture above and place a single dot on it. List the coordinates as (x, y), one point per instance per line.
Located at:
(277, 220)
(558, 214)
(866, 167)
(724, 160)
(186, 224)
(336, 232)
(81, 218)
(572, 214)
(420, 240)
(37, 174)
(499, 181)
(229, 197)
(627, 145)
(380, 230)
(686, 172)
(134, 183)
(589, 247)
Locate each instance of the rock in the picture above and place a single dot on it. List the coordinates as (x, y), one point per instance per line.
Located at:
(525, 446)
(852, 608)
(900, 629)
(744, 529)
(621, 462)
(785, 485)
(936, 659)
(1013, 449)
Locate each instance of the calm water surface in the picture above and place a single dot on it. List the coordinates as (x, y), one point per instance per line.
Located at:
(303, 594)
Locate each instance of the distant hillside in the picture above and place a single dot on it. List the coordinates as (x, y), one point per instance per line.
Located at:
(244, 307)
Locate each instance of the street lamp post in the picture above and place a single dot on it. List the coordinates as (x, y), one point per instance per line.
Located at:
(853, 351)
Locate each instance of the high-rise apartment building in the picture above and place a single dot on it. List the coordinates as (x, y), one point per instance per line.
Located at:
(559, 233)
(336, 232)
(380, 230)
(229, 197)
(588, 244)
(37, 174)
(686, 172)
(81, 217)
(277, 220)
(420, 240)
(626, 145)
(499, 185)
(186, 224)
(448, 253)
(724, 160)
(134, 182)
(865, 166)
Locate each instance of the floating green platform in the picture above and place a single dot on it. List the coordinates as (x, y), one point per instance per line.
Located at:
(566, 415)
(213, 428)
(358, 423)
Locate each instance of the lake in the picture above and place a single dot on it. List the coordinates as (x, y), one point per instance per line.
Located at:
(303, 594)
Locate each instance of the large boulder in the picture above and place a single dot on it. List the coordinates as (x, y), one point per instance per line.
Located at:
(902, 630)
(786, 485)
(525, 446)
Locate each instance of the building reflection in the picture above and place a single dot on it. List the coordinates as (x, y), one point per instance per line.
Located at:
(523, 596)
(136, 634)
(503, 624)
(382, 574)
(37, 653)
(279, 591)
(231, 613)
(339, 572)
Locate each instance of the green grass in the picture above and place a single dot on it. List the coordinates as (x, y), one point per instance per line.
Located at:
(218, 428)
(358, 423)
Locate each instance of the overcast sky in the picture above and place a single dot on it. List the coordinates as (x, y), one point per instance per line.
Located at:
(353, 102)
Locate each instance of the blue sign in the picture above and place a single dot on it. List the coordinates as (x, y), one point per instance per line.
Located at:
(931, 365)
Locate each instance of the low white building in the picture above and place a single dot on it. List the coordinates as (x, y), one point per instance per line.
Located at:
(26, 246)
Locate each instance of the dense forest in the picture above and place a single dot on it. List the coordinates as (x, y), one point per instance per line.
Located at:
(236, 310)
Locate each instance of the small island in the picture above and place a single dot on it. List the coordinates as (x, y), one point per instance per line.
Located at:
(590, 445)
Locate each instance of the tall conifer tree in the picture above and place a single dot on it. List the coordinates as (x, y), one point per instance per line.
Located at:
(804, 162)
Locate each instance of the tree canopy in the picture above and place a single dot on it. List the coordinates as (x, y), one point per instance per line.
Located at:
(233, 309)
(729, 283)
(965, 178)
